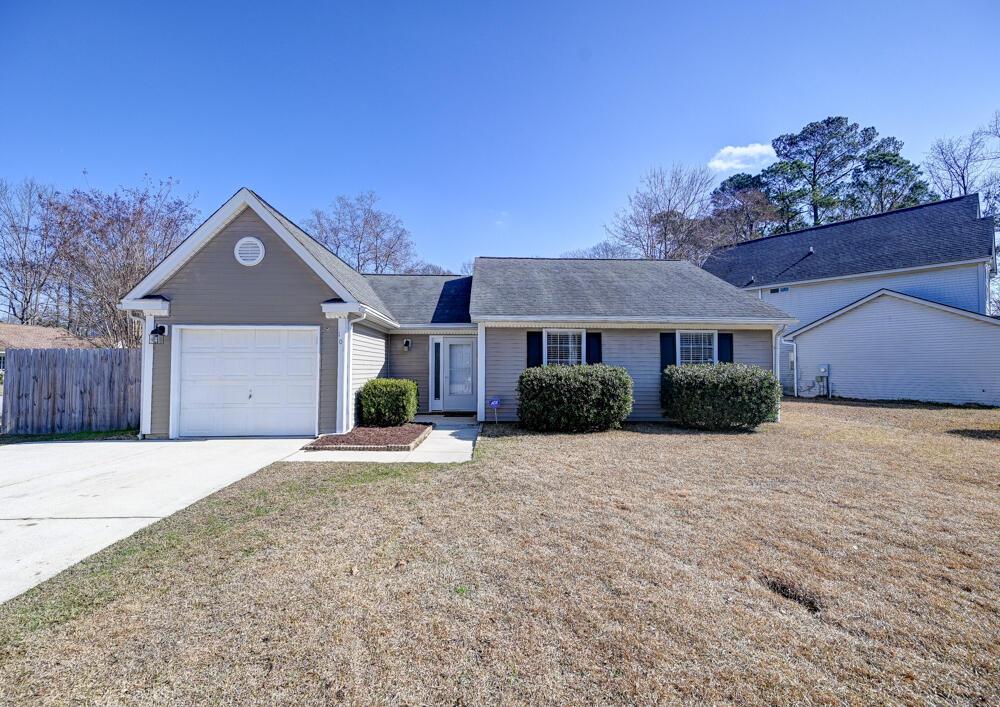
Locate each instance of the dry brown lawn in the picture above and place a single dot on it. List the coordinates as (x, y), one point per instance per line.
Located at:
(847, 555)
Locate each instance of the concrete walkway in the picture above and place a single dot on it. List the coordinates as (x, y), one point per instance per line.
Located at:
(451, 441)
(63, 501)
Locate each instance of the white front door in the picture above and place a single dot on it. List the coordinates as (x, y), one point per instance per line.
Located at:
(237, 382)
(458, 373)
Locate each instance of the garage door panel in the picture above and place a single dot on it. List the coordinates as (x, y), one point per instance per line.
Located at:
(237, 339)
(200, 340)
(301, 340)
(247, 382)
(264, 339)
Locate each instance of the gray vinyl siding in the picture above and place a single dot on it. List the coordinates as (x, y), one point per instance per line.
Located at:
(753, 347)
(636, 350)
(506, 357)
(212, 288)
(891, 349)
(369, 349)
(412, 364)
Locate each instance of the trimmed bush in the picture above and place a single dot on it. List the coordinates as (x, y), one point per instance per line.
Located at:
(574, 398)
(387, 402)
(727, 396)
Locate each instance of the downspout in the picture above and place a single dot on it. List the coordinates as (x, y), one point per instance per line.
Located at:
(795, 370)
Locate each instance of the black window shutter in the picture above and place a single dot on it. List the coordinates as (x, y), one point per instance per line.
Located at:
(725, 348)
(594, 347)
(534, 348)
(668, 349)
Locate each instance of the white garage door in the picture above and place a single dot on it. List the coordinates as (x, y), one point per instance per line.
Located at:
(245, 382)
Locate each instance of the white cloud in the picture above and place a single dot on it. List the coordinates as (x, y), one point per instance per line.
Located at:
(752, 156)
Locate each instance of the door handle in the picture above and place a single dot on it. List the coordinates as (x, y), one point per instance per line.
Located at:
(250, 397)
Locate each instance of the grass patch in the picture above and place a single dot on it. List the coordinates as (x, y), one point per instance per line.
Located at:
(86, 436)
(847, 555)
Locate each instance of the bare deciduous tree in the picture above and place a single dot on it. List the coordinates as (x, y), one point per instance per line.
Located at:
(30, 250)
(364, 236)
(607, 249)
(419, 267)
(113, 240)
(959, 165)
(467, 267)
(666, 215)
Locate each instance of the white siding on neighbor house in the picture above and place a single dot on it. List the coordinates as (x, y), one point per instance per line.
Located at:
(891, 349)
(369, 350)
(636, 350)
(962, 286)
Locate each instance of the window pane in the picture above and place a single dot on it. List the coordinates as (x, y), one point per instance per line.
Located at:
(564, 348)
(437, 370)
(697, 347)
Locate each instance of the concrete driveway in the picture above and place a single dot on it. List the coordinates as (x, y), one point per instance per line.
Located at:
(63, 501)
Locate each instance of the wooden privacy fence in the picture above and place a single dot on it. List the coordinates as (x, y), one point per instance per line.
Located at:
(71, 390)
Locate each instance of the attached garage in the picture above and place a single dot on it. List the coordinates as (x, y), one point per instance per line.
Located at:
(892, 346)
(237, 381)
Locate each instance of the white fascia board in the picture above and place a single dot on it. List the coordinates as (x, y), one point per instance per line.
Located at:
(436, 329)
(898, 295)
(242, 199)
(147, 305)
(631, 322)
(343, 310)
(873, 273)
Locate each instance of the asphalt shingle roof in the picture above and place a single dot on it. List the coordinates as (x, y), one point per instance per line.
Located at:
(425, 299)
(25, 336)
(942, 232)
(577, 288)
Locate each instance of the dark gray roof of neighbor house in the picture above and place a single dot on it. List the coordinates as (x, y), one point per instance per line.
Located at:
(425, 299)
(627, 289)
(350, 278)
(941, 232)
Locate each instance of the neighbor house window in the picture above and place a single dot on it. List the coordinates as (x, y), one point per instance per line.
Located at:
(563, 347)
(696, 347)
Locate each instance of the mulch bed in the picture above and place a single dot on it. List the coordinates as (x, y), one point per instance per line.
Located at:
(374, 439)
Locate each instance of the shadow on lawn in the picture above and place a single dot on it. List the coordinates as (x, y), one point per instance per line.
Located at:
(988, 435)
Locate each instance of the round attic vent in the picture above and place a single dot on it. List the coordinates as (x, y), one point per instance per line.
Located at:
(249, 251)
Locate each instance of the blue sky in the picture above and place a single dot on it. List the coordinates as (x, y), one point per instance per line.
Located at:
(489, 128)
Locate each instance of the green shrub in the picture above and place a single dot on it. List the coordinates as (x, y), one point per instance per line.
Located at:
(574, 398)
(387, 402)
(727, 396)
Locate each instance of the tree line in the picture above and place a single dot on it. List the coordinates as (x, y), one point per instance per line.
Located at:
(830, 170)
(67, 258)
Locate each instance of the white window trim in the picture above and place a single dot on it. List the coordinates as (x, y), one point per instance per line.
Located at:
(715, 343)
(545, 343)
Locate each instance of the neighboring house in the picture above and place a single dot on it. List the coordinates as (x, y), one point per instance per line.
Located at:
(892, 306)
(254, 328)
(26, 336)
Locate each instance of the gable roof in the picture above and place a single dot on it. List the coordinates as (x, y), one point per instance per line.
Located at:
(26, 336)
(345, 281)
(594, 290)
(885, 292)
(425, 299)
(942, 232)
(356, 283)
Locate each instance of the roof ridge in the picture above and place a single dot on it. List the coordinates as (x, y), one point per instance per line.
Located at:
(585, 260)
(410, 274)
(891, 212)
